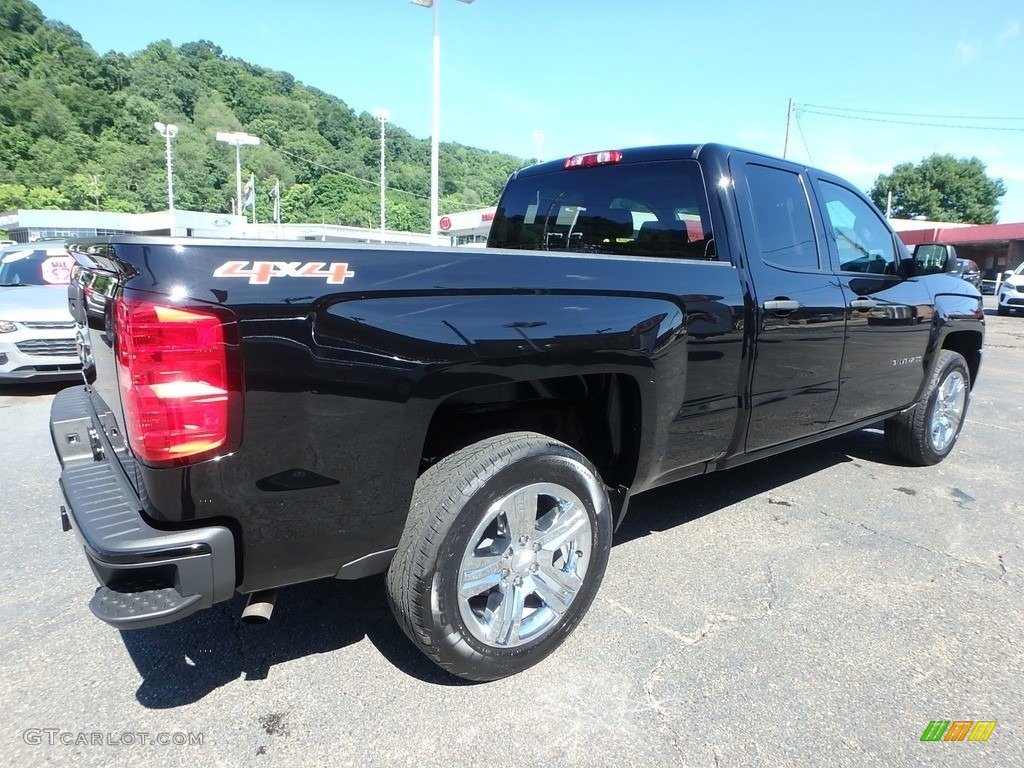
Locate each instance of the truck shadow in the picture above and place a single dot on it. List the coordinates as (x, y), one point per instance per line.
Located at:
(181, 663)
(36, 388)
(679, 503)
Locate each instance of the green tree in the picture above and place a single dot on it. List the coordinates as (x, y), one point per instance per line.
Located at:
(44, 198)
(941, 188)
(12, 196)
(84, 190)
(297, 204)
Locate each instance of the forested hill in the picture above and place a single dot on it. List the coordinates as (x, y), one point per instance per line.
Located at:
(76, 131)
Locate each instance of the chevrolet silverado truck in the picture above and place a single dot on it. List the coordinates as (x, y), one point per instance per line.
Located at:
(473, 422)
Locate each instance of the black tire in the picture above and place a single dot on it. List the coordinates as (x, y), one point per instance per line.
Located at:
(926, 433)
(482, 583)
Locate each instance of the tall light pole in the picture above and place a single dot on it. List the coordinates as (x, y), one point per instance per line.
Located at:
(436, 123)
(383, 115)
(169, 132)
(238, 139)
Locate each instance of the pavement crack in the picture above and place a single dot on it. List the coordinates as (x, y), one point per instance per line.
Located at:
(656, 705)
(675, 634)
(770, 580)
(901, 540)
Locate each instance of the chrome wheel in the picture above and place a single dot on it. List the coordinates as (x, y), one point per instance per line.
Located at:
(505, 547)
(524, 565)
(948, 412)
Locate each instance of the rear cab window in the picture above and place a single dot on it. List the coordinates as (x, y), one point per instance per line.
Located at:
(650, 209)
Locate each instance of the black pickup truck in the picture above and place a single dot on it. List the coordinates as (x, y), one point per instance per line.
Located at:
(473, 422)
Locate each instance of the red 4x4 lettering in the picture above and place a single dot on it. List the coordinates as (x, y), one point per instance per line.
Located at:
(261, 272)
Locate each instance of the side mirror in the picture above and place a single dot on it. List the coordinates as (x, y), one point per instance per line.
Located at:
(1006, 274)
(934, 259)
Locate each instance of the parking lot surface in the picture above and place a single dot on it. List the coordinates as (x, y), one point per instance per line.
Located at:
(818, 608)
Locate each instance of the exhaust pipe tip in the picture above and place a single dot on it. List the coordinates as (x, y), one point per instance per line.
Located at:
(260, 607)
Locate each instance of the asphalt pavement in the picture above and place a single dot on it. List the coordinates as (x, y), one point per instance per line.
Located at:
(818, 608)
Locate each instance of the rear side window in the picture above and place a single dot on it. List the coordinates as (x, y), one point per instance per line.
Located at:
(654, 209)
(782, 215)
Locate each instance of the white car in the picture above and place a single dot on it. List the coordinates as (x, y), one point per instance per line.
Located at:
(1011, 292)
(37, 332)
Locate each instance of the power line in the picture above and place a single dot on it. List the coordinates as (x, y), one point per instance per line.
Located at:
(906, 114)
(803, 139)
(806, 110)
(375, 184)
(343, 173)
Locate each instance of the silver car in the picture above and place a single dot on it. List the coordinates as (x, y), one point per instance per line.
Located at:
(37, 332)
(1011, 291)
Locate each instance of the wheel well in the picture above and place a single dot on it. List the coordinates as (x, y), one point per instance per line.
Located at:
(597, 414)
(968, 344)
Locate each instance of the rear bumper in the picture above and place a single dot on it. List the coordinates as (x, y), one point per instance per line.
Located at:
(148, 576)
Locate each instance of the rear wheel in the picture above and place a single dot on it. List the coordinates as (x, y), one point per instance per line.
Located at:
(926, 433)
(505, 547)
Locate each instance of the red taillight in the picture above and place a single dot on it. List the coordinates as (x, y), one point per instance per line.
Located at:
(180, 379)
(593, 158)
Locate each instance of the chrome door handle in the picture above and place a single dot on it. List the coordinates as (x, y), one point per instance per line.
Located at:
(781, 305)
(863, 304)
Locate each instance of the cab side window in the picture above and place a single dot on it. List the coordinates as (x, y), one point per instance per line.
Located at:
(863, 241)
(782, 217)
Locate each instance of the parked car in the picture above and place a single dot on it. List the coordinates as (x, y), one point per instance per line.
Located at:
(969, 271)
(37, 332)
(91, 283)
(1011, 291)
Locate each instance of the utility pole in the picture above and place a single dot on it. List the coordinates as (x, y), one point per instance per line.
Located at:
(168, 132)
(789, 122)
(383, 116)
(238, 139)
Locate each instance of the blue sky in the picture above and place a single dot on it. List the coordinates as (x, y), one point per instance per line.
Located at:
(602, 75)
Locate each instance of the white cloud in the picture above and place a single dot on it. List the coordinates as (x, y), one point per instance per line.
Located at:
(1010, 31)
(965, 53)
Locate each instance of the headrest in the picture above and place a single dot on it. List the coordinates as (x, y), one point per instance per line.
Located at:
(599, 224)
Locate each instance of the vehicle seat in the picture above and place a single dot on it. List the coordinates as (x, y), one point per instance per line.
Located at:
(604, 226)
(663, 238)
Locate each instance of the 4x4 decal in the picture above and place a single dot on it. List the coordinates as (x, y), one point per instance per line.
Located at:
(261, 272)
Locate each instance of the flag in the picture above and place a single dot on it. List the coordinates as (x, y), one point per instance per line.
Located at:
(275, 195)
(249, 193)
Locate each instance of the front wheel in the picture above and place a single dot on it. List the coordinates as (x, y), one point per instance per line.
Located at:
(505, 547)
(926, 433)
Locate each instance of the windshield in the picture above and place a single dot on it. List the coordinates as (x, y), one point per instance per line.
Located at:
(636, 209)
(29, 266)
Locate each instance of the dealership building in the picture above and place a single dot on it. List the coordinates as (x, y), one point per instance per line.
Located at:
(993, 247)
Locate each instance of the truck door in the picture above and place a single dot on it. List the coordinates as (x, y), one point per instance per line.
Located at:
(888, 317)
(800, 323)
